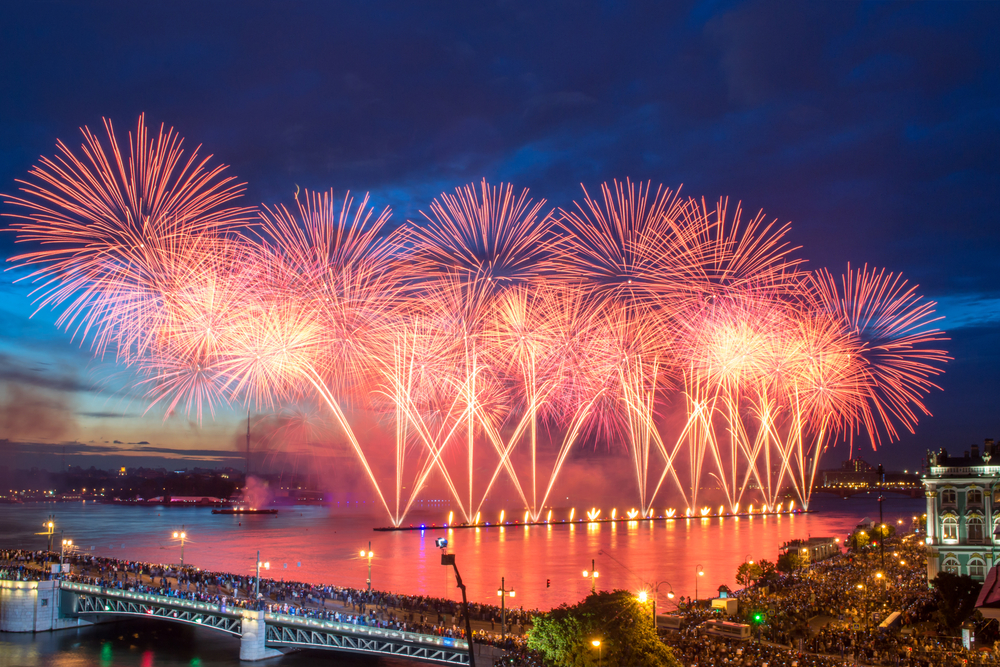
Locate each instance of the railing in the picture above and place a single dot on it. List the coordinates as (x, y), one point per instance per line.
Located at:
(97, 600)
(322, 634)
(984, 471)
(365, 631)
(150, 598)
(304, 622)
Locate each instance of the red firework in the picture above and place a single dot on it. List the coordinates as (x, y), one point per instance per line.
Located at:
(109, 221)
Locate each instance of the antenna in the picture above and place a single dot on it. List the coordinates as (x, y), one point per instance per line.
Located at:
(246, 475)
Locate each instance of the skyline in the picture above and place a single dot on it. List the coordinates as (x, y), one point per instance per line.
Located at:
(49, 383)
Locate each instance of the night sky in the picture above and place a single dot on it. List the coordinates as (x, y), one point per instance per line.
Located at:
(873, 127)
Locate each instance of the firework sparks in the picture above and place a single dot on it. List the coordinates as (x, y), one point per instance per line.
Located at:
(487, 321)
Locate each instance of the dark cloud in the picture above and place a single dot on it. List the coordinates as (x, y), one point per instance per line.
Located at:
(27, 411)
(40, 375)
(104, 415)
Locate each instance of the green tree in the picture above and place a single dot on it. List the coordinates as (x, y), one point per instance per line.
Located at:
(768, 571)
(622, 624)
(957, 594)
(748, 573)
(789, 562)
(883, 531)
(859, 540)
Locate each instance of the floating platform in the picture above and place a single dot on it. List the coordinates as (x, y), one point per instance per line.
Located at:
(574, 522)
(242, 510)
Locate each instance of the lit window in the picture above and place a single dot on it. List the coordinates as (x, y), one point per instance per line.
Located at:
(949, 528)
(948, 497)
(951, 565)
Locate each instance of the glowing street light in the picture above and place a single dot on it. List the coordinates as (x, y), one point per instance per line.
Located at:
(656, 592)
(592, 574)
(503, 592)
(701, 573)
(369, 554)
(256, 586)
(597, 644)
(62, 552)
(181, 535)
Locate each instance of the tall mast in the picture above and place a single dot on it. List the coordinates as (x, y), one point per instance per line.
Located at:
(247, 474)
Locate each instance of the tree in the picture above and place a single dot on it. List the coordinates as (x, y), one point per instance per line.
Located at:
(623, 625)
(859, 540)
(747, 573)
(789, 562)
(884, 531)
(957, 594)
(767, 569)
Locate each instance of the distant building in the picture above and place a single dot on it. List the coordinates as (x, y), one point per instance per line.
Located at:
(858, 474)
(857, 465)
(963, 510)
(813, 549)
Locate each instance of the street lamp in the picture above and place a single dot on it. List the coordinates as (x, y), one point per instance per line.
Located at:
(50, 527)
(597, 645)
(62, 552)
(862, 587)
(256, 584)
(503, 592)
(592, 574)
(656, 592)
(701, 573)
(181, 536)
(369, 554)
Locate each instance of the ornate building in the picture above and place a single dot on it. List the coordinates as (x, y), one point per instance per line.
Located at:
(963, 511)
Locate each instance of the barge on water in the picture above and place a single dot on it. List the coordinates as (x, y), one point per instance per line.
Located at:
(244, 510)
(575, 522)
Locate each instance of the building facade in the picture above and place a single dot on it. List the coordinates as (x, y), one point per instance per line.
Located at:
(963, 511)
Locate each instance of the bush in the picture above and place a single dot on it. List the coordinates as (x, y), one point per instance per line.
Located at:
(622, 624)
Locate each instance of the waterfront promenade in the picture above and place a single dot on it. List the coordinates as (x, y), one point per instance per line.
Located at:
(815, 616)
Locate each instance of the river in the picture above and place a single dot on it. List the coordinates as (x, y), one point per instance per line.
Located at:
(322, 544)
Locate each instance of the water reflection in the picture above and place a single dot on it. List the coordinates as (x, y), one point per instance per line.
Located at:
(142, 643)
(321, 545)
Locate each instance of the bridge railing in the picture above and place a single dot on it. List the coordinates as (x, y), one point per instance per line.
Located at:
(366, 631)
(301, 621)
(149, 598)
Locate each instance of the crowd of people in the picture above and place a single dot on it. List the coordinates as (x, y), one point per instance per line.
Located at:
(829, 614)
(407, 613)
(825, 615)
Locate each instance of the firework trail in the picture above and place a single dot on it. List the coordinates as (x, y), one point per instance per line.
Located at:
(484, 323)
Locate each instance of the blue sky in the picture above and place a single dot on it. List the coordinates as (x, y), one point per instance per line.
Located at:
(872, 127)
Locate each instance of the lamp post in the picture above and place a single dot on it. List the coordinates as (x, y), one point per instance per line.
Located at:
(597, 645)
(700, 573)
(504, 593)
(656, 593)
(62, 552)
(369, 553)
(256, 584)
(592, 574)
(446, 560)
(863, 588)
(181, 536)
(50, 527)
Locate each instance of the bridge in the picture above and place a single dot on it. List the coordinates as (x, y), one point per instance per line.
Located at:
(27, 606)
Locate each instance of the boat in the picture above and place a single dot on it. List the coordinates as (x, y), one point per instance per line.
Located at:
(244, 510)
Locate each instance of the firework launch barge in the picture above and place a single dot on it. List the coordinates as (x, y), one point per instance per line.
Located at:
(564, 522)
(243, 510)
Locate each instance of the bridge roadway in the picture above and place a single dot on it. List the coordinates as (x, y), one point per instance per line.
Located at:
(262, 634)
